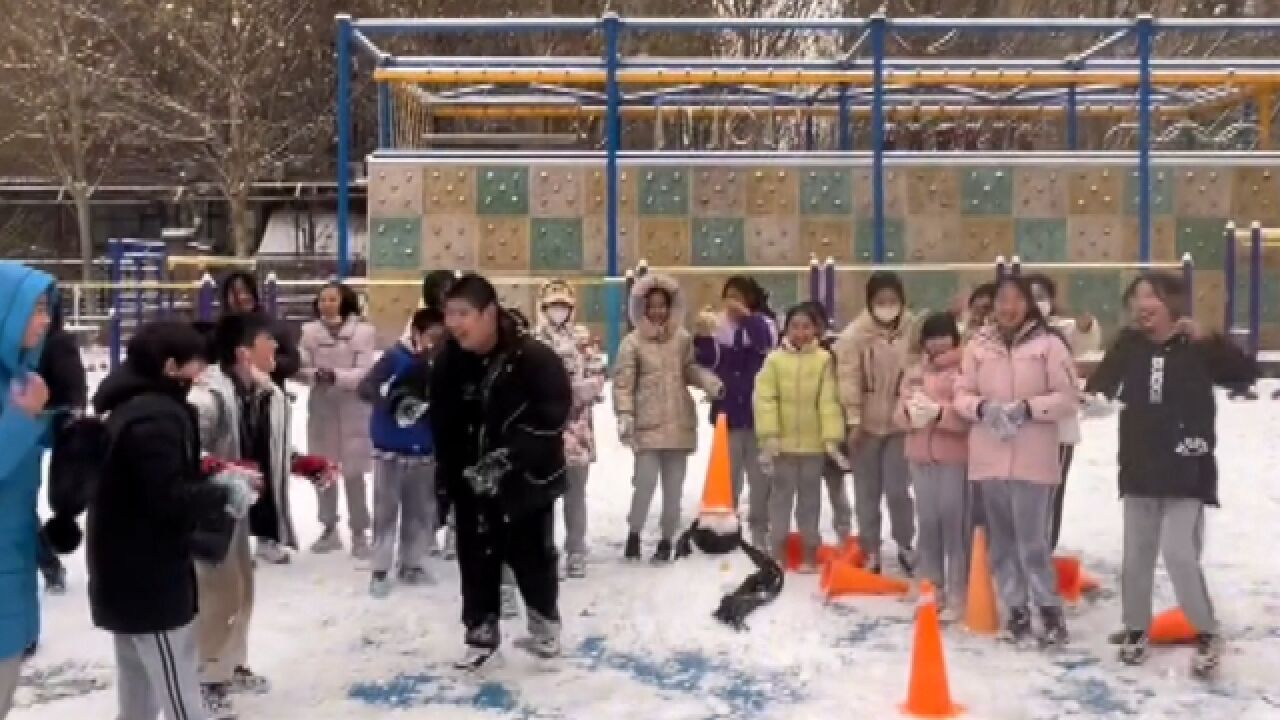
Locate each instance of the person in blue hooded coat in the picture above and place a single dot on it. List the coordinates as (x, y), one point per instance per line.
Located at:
(25, 296)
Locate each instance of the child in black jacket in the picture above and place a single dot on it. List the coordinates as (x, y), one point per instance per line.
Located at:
(1162, 371)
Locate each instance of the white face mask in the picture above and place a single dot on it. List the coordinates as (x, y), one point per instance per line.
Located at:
(1046, 307)
(886, 314)
(558, 314)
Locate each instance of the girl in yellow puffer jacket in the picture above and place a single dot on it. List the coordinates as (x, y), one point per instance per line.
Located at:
(799, 424)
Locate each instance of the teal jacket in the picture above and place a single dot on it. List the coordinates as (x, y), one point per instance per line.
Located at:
(22, 441)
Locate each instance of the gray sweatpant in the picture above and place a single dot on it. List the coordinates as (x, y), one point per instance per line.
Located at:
(404, 508)
(880, 474)
(1175, 529)
(575, 510)
(941, 506)
(797, 489)
(744, 464)
(1017, 524)
(838, 496)
(652, 466)
(157, 673)
(10, 674)
(357, 503)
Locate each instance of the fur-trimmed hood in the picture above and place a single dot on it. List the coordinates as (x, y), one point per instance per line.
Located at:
(635, 306)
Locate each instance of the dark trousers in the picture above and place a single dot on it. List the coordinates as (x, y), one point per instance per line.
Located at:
(47, 559)
(488, 539)
(1065, 455)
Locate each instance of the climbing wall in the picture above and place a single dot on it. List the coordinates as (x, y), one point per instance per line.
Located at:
(522, 224)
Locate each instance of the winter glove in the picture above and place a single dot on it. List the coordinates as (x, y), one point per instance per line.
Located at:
(626, 429)
(769, 450)
(922, 411)
(486, 476)
(325, 377)
(408, 410)
(241, 485)
(706, 323)
(993, 416)
(1098, 405)
(317, 469)
(837, 457)
(1017, 414)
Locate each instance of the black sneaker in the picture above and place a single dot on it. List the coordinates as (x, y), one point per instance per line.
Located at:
(1133, 647)
(1018, 627)
(482, 646)
(632, 551)
(662, 554)
(1055, 628)
(1208, 655)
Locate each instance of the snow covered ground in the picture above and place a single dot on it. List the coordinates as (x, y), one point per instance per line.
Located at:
(641, 643)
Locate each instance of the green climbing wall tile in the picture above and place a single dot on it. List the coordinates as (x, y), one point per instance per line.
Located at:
(556, 244)
(826, 191)
(930, 291)
(719, 241)
(395, 243)
(987, 191)
(1203, 238)
(1041, 240)
(1161, 192)
(864, 240)
(1270, 296)
(783, 289)
(502, 191)
(1097, 292)
(664, 191)
(591, 303)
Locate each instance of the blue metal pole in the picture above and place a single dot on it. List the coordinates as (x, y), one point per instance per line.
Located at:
(1229, 275)
(343, 119)
(612, 26)
(1255, 288)
(1073, 119)
(385, 126)
(878, 24)
(844, 134)
(1145, 32)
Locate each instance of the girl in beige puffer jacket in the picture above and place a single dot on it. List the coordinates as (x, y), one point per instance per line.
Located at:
(656, 414)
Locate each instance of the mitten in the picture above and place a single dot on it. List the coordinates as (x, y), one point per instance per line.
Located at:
(922, 410)
(706, 323)
(626, 429)
(486, 476)
(1017, 414)
(992, 415)
(314, 468)
(241, 485)
(837, 457)
(408, 410)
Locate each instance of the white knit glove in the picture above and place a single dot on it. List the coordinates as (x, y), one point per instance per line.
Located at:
(769, 450)
(922, 410)
(241, 485)
(1098, 405)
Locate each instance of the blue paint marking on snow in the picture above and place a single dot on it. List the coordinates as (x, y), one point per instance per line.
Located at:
(406, 691)
(690, 673)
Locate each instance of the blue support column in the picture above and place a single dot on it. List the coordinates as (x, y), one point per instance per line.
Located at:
(343, 120)
(386, 121)
(1255, 288)
(878, 27)
(612, 26)
(1146, 32)
(844, 135)
(1073, 119)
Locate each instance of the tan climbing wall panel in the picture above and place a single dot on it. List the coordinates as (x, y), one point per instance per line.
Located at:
(450, 190)
(1098, 239)
(1201, 192)
(1095, 191)
(397, 192)
(597, 197)
(772, 191)
(982, 239)
(1040, 193)
(595, 247)
(557, 191)
(1255, 196)
(503, 245)
(774, 240)
(449, 241)
(664, 241)
(931, 238)
(826, 238)
(389, 306)
(1211, 297)
(932, 191)
(895, 193)
(719, 193)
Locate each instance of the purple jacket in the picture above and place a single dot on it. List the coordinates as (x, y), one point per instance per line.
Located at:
(735, 352)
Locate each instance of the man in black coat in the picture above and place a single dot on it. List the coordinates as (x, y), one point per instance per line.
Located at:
(239, 295)
(152, 505)
(1162, 370)
(499, 404)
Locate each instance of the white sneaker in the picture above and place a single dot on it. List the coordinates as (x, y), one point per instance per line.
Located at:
(576, 566)
(510, 602)
(272, 552)
(476, 659)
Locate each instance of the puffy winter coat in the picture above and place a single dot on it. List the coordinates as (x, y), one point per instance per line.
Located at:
(946, 440)
(386, 433)
(1167, 425)
(1036, 368)
(796, 402)
(586, 377)
(517, 398)
(150, 498)
(870, 362)
(21, 445)
(735, 352)
(1081, 344)
(337, 420)
(219, 402)
(654, 370)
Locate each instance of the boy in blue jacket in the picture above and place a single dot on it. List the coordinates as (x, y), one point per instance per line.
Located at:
(404, 452)
(25, 299)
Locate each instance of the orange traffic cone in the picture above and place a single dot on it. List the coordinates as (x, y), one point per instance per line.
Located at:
(827, 554)
(1088, 583)
(841, 578)
(981, 616)
(1171, 627)
(1068, 570)
(928, 691)
(851, 552)
(717, 494)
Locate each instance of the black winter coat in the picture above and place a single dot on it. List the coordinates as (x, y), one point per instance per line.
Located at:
(149, 502)
(1167, 424)
(517, 397)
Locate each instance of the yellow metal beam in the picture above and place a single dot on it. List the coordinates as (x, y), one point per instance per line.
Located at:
(509, 111)
(854, 77)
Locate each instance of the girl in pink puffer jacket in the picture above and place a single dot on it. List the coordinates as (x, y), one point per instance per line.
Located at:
(1017, 381)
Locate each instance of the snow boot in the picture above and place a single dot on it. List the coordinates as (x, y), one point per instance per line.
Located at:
(414, 576)
(1204, 664)
(380, 585)
(272, 553)
(482, 646)
(1018, 628)
(576, 566)
(544, 637)
(1055, 628)
(662, 555)
(246, 682)
(217, 701)
(1133, 647)
(510, 602)
(360, 548)
(329, 541)
(632, 550)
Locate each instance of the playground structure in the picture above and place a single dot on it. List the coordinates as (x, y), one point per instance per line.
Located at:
(841, 186)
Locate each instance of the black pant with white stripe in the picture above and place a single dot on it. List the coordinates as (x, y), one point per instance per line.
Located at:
(157, 673)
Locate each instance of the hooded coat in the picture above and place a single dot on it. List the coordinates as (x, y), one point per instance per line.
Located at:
(871, 360)
(22, 441)
(586, 377)
(655, 368)
(735, 351)
(337, 419)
